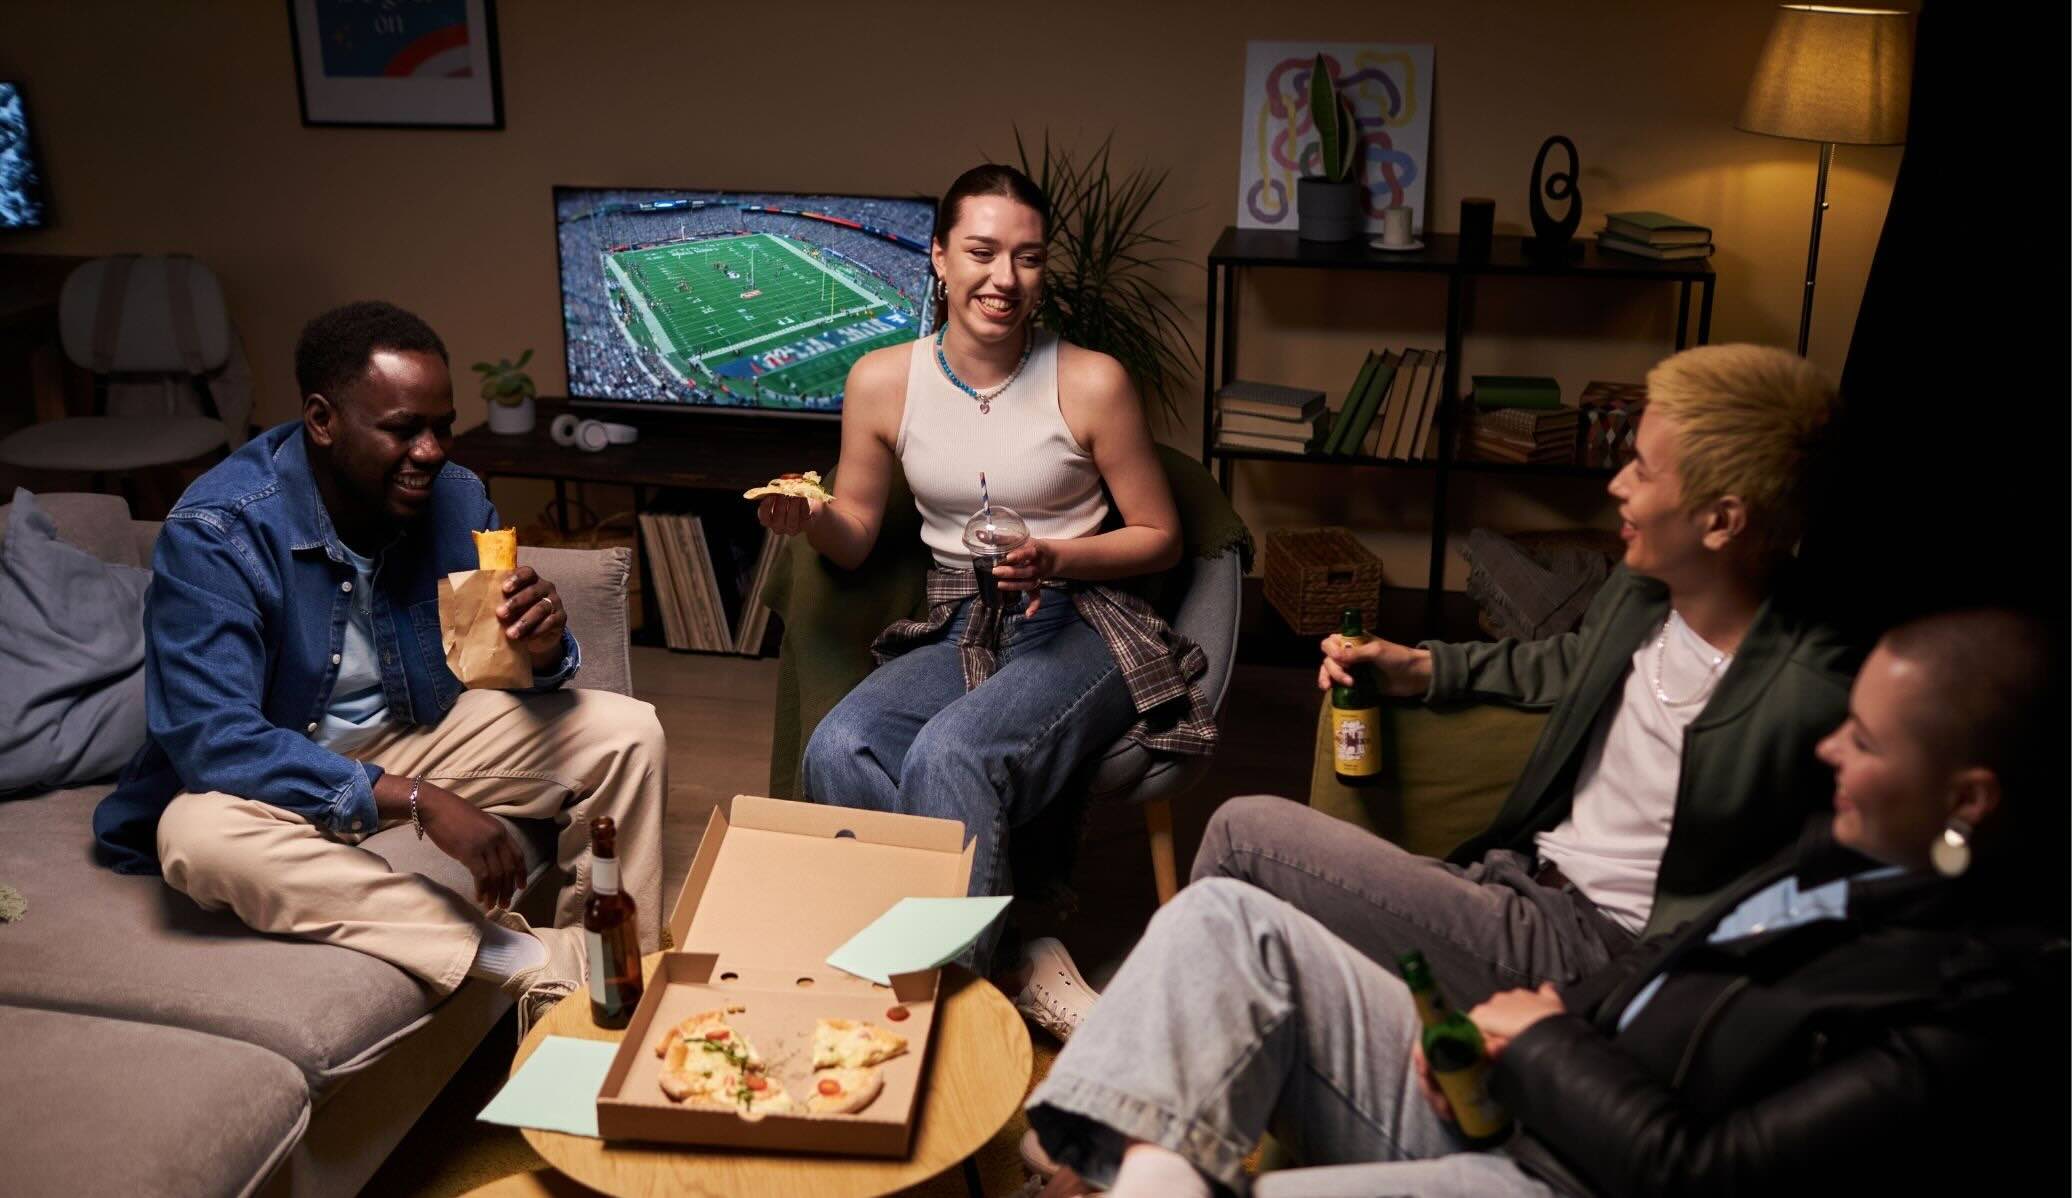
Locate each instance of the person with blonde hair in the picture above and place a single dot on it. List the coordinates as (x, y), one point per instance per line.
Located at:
(1681, 714)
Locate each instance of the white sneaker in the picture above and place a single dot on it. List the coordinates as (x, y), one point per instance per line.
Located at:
(1055, 998)
(565, 971)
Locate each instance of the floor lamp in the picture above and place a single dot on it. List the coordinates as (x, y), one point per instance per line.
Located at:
(1834, 76)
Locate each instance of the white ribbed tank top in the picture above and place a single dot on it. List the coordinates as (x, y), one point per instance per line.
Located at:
(1032, 462)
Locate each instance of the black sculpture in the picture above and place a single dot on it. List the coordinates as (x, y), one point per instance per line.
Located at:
(1555, 238)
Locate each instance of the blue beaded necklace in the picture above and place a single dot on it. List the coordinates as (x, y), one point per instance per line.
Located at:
(985, 398)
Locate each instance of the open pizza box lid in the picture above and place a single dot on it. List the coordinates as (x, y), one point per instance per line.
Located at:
(775, 888)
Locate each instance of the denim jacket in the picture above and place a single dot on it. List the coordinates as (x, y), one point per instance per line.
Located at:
(244, 623)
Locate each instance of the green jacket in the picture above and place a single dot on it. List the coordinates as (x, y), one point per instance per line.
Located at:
(1748, 777)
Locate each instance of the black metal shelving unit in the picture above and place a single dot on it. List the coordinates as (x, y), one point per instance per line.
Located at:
(1239, 250)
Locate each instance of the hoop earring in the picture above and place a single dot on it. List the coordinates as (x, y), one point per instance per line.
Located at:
(1951, 853)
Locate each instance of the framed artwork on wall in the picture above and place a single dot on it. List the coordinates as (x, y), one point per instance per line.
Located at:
(1390, 87)
(412, 64)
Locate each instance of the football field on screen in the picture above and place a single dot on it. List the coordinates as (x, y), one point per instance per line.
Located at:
(768, 317)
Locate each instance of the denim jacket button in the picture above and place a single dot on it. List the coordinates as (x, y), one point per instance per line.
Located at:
(336, 658)
(356, 825)
(346, 586)
(312, 727)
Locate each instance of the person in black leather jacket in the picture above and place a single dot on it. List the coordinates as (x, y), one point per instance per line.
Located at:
(1872, 1014)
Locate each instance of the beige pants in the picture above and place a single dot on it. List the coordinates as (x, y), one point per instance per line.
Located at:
(572, 754)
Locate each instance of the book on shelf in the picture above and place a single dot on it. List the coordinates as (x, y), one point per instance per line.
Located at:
(1394, 404)
(1516, 391)
(1504, 451)
(1548, 425)
(1269, 399)
(1227, 440)
(1361, 418)
(1341, 419)
(1424, 439)
(1655, 228)
(1415, 401)
(1268, 426)
(1664, 253)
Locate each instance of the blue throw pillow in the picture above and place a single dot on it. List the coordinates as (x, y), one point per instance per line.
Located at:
(72, 652)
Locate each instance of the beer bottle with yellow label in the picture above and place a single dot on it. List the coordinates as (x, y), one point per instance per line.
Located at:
(1356, 715)
(1453, 1048)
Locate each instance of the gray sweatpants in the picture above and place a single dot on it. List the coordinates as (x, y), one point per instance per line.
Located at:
(1237, 1013)
(1485, 927)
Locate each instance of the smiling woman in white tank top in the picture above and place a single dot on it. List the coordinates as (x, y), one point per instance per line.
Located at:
(977, 713)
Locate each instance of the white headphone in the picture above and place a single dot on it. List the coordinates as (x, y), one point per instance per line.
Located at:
(571, 430)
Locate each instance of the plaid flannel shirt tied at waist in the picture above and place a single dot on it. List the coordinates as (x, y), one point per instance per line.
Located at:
(1159, 666)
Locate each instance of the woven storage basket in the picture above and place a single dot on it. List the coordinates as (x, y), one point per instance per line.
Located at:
(1314, 574)
(620, 530)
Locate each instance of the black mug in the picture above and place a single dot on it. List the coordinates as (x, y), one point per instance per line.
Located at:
(1477, 228)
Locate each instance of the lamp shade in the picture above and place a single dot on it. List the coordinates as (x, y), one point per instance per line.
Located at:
(1833, 75)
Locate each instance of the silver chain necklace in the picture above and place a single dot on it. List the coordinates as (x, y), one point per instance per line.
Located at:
(1704, 684)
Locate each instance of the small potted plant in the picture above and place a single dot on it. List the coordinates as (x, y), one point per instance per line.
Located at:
(1327, 203)
(509, 391)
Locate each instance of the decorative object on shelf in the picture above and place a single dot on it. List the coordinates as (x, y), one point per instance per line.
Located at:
(1327, 196)
(1536, 584)
(1831, 75)
(1552, 238)
(1395, 231)
(408, 66)
(1102, 281)
(1314, 574)
(1610, 421)
(1477, 227)
(571, 431)
(509, 391)
(1389, 88)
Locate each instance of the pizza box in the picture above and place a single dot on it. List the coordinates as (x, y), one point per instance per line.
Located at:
(776, 887)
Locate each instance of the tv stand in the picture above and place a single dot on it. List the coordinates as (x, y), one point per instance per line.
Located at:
(688, 451)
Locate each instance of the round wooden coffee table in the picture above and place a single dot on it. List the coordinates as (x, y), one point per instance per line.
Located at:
(978, 1073)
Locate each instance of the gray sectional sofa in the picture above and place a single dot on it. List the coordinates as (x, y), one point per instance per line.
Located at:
(148, 1047)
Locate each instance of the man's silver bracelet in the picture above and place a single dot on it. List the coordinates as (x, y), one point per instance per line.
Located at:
(414, 820)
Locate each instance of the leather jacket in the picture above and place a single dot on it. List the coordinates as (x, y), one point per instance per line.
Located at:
(1897, 1050)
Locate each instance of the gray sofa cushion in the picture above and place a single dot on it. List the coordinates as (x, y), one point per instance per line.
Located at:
(102, 943)
(99, 524)
(199, 1114)
(72, 649)
(592, 582)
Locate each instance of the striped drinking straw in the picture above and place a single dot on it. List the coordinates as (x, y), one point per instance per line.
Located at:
(985, 501)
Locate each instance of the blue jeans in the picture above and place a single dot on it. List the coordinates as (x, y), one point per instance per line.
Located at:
(910, 739)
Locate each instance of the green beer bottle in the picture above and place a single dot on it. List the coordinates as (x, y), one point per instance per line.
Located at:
(1453, 1047)
(1356, 716)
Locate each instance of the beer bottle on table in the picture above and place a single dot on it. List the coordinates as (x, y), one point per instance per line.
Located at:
(609, 928)
(1453, 1048)
(1356, 716)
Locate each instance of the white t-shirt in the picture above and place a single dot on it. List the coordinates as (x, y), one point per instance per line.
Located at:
(1611, 844)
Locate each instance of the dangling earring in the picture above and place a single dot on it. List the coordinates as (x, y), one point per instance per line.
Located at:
(1951, 853)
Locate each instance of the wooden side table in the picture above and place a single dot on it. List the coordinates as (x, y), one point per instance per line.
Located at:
(978, 1075)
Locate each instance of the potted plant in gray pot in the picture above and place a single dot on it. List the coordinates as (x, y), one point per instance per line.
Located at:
(1327, 204)
(509, 391)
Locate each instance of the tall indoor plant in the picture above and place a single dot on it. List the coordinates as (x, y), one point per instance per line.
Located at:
(1327, 202)
(1102, 284)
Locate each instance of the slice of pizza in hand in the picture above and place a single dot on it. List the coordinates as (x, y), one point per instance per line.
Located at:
(853, 1045)
(804, 486)
(843, 1091)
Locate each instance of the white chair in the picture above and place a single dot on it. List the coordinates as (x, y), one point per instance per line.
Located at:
(171, 385)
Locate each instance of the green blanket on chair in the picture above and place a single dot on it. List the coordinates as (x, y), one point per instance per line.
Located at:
(832, 615)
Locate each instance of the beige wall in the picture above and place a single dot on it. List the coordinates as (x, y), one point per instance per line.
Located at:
(174, 126)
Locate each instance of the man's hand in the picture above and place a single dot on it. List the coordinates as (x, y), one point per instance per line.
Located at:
(475, 840)
(1024, 567)
(1427, 1082)
(1502, 1018)
(531, 614)
(787, 515)
(1405, 673)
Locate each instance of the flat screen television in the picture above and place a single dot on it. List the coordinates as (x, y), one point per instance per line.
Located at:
(723, 301)
(22, 201)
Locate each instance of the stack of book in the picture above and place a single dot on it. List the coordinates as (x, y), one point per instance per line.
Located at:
(688, 568)
(1521, 419)
(1268, 416)
(1654, 235)
(1610, 421)
(1391, 410)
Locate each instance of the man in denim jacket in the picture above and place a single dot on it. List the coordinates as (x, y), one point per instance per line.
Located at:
(299, 698)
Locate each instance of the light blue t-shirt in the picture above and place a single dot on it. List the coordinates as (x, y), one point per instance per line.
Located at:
(358, 708)
(1775, 907)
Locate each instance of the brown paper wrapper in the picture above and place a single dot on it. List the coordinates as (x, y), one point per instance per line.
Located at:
(477, 651)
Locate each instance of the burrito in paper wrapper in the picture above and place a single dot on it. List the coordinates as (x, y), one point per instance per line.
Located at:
(477, 651)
